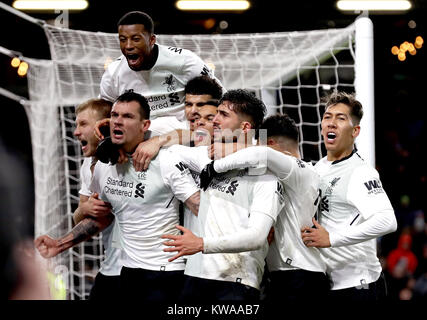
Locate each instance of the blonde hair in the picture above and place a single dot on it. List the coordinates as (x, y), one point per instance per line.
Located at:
(100, 106)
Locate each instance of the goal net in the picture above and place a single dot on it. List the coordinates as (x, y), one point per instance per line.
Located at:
(289, 71)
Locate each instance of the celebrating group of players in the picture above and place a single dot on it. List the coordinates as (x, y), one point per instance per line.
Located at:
(258, 221)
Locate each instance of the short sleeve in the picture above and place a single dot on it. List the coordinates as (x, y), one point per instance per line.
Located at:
(268, 196)
(107, 88)
(85, 178)
(177, 176)
(194, 66)
(95, 185)
(366, 193)
(196, 158)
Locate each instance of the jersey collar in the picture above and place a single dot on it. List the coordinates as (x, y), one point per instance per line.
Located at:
(347, 157)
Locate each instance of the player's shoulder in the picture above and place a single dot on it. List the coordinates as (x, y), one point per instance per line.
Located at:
(175, 51)
(114, 67)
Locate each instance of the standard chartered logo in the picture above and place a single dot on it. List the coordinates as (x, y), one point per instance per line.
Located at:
(119, 187)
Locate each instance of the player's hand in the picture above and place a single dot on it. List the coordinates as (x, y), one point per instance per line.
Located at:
(219, 150)
(143, 154)
(206, 176)
(123, 158)
(98, 125)
(95, 207)
(47, 246)
(316, 236)
(185, 244)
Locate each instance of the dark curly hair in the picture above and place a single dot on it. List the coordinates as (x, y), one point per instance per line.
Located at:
(356, 109)
(281, 125)
(246, 103)
(137, 17)
(204, 85)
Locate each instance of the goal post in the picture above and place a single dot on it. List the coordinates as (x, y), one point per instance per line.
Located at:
(364, 87)
(289, 71)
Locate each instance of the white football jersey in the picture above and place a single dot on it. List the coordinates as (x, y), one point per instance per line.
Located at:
(195, 159)
(145, 205)
(225, 208)
(351, 193)
(163, 85)
(110, 265)
(300, 184)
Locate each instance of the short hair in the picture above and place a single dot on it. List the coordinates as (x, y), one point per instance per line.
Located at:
(356, 109)
(246, 103)
(129, 96)
(100, 106)
(204, 85)
(137, 17)
(281, 125)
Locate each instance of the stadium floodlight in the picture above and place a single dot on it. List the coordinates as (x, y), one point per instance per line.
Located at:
(213, 5)
(370, 5)
(50, 4)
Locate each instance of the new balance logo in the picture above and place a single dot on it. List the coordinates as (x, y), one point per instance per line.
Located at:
(232, 187)
(181, 166)
(205, 71)
(177, 50)
(139, 192)
(300, 163)
(374, 186)
(324, 204)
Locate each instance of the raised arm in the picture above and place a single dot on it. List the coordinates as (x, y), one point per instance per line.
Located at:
(84, 230)
(148, 149)
(280, 164)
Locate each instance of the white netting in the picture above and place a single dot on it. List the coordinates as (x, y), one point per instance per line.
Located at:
(290, 71)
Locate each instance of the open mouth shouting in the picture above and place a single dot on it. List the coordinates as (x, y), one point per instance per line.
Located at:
(84, 145)
(330, 137)
(134, 60)
(117, 134)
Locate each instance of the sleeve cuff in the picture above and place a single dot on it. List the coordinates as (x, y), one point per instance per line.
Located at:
(335, 239)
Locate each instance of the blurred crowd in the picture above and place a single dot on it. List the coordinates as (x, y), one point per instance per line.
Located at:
(400, 161)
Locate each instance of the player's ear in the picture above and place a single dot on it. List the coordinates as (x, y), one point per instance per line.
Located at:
(145, 125)
(356, 131)
(246, 126)
(153, 39)
(271, 142)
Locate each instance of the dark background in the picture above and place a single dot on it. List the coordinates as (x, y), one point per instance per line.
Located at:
(400, 104)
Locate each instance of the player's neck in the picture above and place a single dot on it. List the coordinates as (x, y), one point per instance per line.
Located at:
(340, 154)
(152, 59)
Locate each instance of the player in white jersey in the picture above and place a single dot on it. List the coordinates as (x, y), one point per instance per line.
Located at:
(296, 272)
(203, 131)
(155, 71)
(355, 209)
(145, 205)
(233, 204)
(106, 283)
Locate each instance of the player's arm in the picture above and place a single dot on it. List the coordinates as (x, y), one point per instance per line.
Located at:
(91, 207)
(281, 165)
(373, 218)
(177, 176)
(263, 213)
(257, 158)
(251, 238)
(193, 203)
(84, 230)
(148, 149)
(107, 88)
